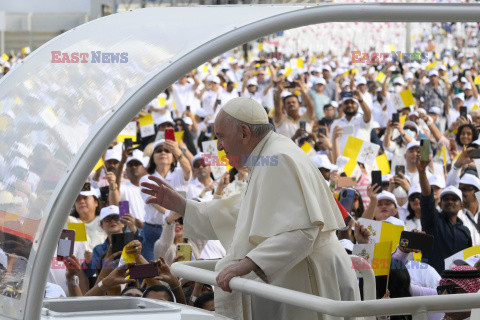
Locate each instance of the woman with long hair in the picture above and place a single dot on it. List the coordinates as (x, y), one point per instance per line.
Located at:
(466, 134)
(168, 163)
(180, 125)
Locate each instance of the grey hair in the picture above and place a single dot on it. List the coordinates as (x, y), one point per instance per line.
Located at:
(257, 130)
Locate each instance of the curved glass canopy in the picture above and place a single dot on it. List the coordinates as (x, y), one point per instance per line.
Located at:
(59, 113)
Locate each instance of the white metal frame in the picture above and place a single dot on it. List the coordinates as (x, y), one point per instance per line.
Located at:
(129, 105)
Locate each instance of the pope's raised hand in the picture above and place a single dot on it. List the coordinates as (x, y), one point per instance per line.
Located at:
(163, 195)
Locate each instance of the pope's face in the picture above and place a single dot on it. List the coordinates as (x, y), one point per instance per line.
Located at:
(229, 139)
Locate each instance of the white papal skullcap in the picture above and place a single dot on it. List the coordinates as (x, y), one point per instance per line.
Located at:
(246, 110)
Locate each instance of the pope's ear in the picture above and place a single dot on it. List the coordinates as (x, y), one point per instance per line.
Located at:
(245, 132)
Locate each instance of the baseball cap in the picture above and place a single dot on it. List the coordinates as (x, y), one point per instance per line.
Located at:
(198, 156)
(92, 192)
(319, 81)
(468, 86)
(411, 124)
(188, 121)
(451, 190)
(399, 80)
(166, 117)
(113, 154)
(136, 155)
(385, 195)
(412, 144)
(202, 113)
(386, 177)
(409, 75)
(414, 189)
(157, 143)
(108, 211)
(435, 110)
(437, 181)
(327, 67)
(361, 81)
(433, 73)
(470, 179)
(214, 79)
(459, 96)
(347, 244)
(321, 161)
(252, 82)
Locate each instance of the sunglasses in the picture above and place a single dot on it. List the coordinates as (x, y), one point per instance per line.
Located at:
(466, 188)
(160, 150)
(413, 197)
(111, 218)
(449, 288)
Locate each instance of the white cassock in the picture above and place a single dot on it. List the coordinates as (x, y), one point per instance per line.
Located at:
(285, 221)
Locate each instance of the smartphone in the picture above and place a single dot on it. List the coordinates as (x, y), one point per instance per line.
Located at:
(424, 149)
(188, 108)
(124, 208)
(120, 240)
(463, 112)
(347, 197)
(128, 143)
(260, 61)
(346, 94)
(322, 131)
(104, 193)
(474, 154)
(218, 102)
(399, 169)
(65, 244)
(417, 241)
(303, 125)
(170, 134)
(377, 179)
(186, 250)
(143, 271)
(209, 129)
(395, 117)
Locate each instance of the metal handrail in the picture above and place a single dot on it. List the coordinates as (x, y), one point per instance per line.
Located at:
(418, 307)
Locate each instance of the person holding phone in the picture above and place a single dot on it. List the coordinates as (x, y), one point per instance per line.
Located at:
(162, 164)
(412, 222)
(320, 100)
(466, 134)
(382, 205)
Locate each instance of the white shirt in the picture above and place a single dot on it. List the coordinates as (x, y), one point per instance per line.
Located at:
(184, 96)
(176, 180)
(361, 129)
(227, 96)
(470, 102)
(95, 233)
(194, 190)
(209, 99)
(469, 221)
(131, 193)
(257, 95)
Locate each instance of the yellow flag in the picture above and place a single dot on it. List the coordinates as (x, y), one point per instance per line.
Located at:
(475, 107)
(260, 46)
(223, 159)
(162, 101)
(306, 147)
(476, 80)
(352, 147)
(5, 57)
(179, 135)
(382, 163)
(444, 155)
(417, 256)
(174, 104)
(145, 120)
(390, 47)
(350, 167)
(80, 230)
(391, 232)
(454, 67)
(407, 98)
(98, 165)
(380, 77)
(345, 74)
(300, 63)
(402, 120)
(205, 68)
(382, 257)
(288, 72)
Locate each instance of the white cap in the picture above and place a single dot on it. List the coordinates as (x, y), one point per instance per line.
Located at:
(409, 75)
(470, 179)
(214, 79)
(463, 80)
(432, 73)
(451, 190)
(198, 156)
(442, 67)
(468, 86)
(471, 261)
(136, 155)
(108, 211)
(460, 96)
(202, 113)
(327, 67)
(412, 144)
(91, 192)
(113, 154)
(188, 121)
(394, 221)
(361, 81)
(166, 117)
(386, 177)
(460, 55)
(399, 80)
(246, 110)
(321, 161)
(414, 189)
(435, 110)
(319, 81)
(347, 244)
(385, 195)
(392, 68)
(334, 104)
(252, 82)
(411, 124)
(345, 83)
(435, 180)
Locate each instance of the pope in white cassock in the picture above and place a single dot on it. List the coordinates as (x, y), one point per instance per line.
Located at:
(280, 229)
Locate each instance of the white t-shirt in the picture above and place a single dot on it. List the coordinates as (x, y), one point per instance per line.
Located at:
(184, 96)
(95, 233)
(194, 190)
(209, 99)
(132, 194)
(361, 129)
(176, 180)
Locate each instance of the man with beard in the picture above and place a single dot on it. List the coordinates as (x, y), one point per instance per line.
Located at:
(353, 123)
(450, 235)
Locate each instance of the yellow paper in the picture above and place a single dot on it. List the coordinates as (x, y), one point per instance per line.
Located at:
(179, 135)
(380, 77)
(5, 57)
(345, 74)
(417, 256)
(382, 163)
(354, 71)
(98, 165)
(257, 65)
(454, 67)
(80, 230)
(403, 119)
(352, 147)
(127, 257)
(382, 257)
(145, 120)
(390, 47)
(349, 167)
(476, 80)
(443, 152)
(260, 46)
(300, 63)
(407, 98)
(391, 232)
(288, 72)
(467, 253)
(162, 101)
(475, 107)
(205, 68)
(306, 147)
(222, 157)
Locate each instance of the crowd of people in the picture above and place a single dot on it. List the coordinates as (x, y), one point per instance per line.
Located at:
(318, 102)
